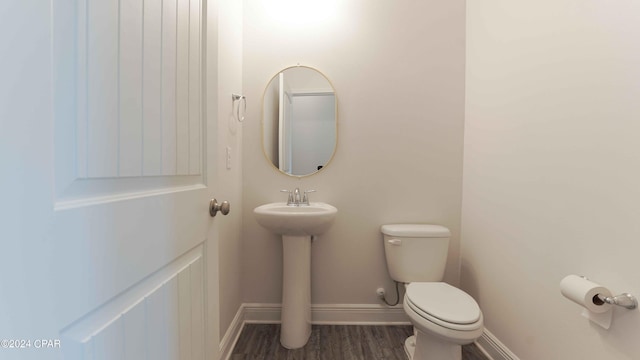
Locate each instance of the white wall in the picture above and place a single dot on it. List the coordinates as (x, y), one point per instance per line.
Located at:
(398, 71)
(551, 170)
(229, 135)
(301, 79)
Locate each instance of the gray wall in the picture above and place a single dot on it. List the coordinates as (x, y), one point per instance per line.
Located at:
(229, 135)
(551, 171)
(398, 71)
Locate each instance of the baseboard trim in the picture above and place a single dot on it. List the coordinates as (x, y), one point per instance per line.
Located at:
(230, 338)
(493, 348)
(333, 314)
(262, 313)
(358, 314)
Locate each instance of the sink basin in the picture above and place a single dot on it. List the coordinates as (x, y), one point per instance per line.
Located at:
(312, 219)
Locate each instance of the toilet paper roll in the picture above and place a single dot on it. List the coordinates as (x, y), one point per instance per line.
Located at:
(583, 292)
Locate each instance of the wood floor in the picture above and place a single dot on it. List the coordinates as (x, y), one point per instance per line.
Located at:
(332, 342)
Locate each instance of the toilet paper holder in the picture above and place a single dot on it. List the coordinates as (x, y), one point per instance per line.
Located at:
(625, 300)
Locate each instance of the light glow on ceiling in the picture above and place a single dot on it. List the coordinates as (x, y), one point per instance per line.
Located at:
(301, 13)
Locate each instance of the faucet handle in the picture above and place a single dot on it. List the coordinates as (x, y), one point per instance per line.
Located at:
(305, 197)
(290, 197)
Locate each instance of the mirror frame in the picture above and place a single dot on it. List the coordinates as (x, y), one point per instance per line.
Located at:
(262, 121)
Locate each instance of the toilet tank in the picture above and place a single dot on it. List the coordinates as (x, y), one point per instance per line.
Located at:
(416, 252)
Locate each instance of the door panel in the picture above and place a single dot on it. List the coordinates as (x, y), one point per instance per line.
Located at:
(109, 240)
(134, 72)
(132, 198)
(158, 318)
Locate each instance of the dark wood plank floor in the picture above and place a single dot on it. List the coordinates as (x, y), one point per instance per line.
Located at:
(332, 342)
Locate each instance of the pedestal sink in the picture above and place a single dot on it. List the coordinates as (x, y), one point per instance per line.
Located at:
(296, 225)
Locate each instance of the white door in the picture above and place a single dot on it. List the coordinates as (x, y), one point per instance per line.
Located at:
(313, 131)
(285, 118)
(107, 250)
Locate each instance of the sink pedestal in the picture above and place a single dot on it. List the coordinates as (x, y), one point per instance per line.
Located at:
(296, 291)
(296, 225)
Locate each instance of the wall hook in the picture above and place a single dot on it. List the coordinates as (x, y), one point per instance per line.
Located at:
(242, 101)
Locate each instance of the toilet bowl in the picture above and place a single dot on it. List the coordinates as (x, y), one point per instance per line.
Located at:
(444, 317)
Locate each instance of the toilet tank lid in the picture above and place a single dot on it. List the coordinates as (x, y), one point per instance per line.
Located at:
(415, 230)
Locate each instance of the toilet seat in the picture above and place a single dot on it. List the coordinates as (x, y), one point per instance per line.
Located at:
(444, 305)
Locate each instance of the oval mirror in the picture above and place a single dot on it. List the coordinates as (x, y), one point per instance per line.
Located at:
(299, 121)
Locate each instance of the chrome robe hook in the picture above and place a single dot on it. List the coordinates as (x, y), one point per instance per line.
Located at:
(242, 101)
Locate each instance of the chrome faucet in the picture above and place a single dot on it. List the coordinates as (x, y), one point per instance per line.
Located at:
(294, 198)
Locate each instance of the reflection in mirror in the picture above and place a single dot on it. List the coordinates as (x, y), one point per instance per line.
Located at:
(299, 121)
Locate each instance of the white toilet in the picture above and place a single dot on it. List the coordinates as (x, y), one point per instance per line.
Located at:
(444, 317)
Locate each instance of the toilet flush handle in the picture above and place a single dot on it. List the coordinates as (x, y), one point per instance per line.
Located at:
(396, 242)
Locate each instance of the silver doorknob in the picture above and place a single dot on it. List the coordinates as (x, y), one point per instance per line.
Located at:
(214, 207)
